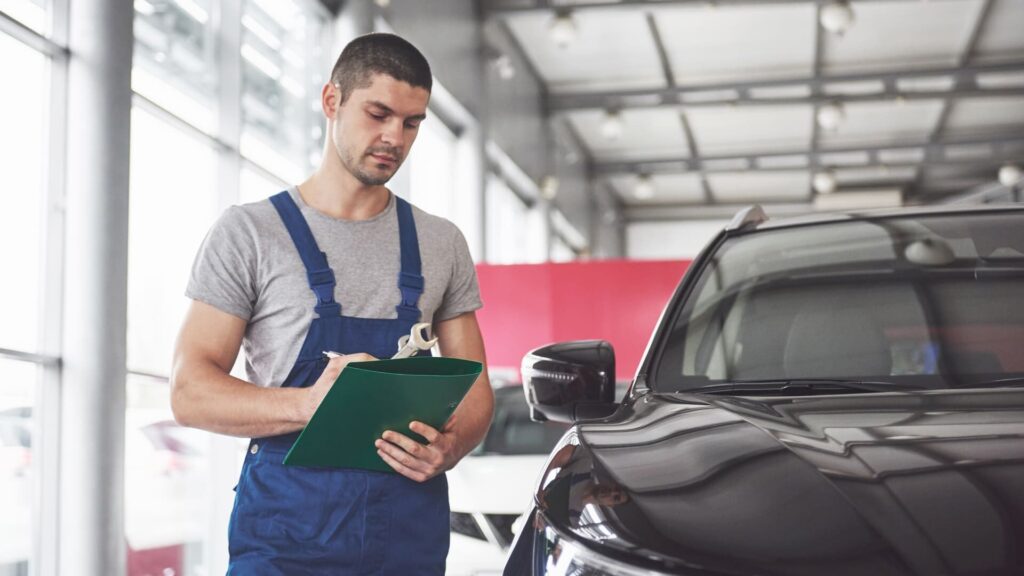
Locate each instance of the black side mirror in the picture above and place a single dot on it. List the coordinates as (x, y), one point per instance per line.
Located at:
(570, 381)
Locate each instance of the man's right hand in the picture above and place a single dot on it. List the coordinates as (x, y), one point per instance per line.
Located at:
(205, 395)
(323, 384)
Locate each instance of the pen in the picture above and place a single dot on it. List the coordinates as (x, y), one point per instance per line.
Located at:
(332, 354)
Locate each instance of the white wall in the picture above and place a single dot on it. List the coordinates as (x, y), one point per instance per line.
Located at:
(670, 240)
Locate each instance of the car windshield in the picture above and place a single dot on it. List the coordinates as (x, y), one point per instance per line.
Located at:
(929, 301)
(512, 432)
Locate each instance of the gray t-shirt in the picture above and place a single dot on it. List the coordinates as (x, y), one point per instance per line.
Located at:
(248, 267)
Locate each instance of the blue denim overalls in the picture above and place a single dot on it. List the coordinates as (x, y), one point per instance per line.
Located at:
(291, 520)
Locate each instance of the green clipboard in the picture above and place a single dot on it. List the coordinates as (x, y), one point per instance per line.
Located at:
(369, 398)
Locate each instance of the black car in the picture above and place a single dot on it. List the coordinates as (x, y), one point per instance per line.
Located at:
(831, 395)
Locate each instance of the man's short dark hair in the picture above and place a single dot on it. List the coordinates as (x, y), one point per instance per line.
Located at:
(379, 53)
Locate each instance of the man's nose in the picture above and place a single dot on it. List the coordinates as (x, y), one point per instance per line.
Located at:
(393, 134)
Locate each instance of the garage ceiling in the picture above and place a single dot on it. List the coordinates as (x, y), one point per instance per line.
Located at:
(716, 101)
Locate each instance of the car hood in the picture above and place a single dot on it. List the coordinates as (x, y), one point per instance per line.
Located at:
(885, 483)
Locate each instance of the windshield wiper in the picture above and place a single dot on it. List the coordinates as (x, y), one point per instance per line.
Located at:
(1009, 382)
(803, 386)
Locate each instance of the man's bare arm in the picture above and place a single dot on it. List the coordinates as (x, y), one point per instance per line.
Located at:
(204, 394)
(459, 337)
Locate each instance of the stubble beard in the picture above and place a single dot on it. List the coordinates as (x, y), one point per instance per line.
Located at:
(365, 177)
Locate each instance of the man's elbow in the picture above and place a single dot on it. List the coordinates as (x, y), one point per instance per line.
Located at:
(181, 401)
(485, 409)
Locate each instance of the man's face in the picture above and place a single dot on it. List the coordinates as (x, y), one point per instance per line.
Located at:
(375, 128)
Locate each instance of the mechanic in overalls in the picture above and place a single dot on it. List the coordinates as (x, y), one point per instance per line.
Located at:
(336, 263)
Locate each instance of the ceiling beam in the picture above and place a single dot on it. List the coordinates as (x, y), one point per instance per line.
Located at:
(664, 212)
(965, 58)
(964, 79)
(520, 54)
(684, 122)
(819, 57)
(993, 147)
(31, 38)
(666, 66)
(498, 7)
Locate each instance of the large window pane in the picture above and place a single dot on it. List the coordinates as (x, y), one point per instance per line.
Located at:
(255, 186)
(31, 13)
(22, 115)
(560, 251)
(173, 204)
(432, 169)
(175, 58)
(281, 81)
(515, 232)
(166, 485)
(17, 386)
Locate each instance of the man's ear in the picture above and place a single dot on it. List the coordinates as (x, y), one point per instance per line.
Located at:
(330, 100)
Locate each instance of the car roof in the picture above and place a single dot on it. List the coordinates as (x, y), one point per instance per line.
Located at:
(753, 220)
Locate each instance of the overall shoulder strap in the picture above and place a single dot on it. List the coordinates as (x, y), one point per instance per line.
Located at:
(410, 277)
(320, 276)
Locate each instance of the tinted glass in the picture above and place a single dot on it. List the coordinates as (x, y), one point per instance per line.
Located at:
(171, 211)
(167, 483)
(933, 301)
(512, 432)
(23, 178)
(282, 73)
(18, 519)
(174, 63)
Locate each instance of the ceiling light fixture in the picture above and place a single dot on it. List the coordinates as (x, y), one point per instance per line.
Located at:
(549, 187)
(644, 187)
(824, 182)
(563, 29)
(1010, 174)
(503, 66)
(831, 115)
(836, 17)
(611, 125)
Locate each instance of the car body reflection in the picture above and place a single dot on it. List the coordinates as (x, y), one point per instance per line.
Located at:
(882, 484)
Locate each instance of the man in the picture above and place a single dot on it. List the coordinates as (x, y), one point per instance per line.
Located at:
(337, 263)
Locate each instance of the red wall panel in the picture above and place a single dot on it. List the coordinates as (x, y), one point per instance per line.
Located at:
(530, 305)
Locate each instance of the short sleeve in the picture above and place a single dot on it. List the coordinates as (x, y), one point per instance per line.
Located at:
(224, 272)
(463, 293)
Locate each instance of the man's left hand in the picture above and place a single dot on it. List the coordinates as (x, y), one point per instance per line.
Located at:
(417, 461)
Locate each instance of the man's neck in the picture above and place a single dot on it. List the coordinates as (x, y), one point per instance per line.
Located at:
(338, 194)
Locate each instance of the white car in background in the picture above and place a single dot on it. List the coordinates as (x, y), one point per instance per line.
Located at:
(491, 487)
(15, 489)
(165, 474)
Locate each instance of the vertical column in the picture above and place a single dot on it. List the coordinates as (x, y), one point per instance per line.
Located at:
(477, 137)
(470, 184)
(223, 460)
(544, 205)
(355, 19)
(46, 435)
(229, 98)
(95, 295)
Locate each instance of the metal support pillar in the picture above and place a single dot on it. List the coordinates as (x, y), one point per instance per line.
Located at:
(95, 298)
(355, 19)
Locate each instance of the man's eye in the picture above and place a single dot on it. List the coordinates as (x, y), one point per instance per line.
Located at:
(412, 125)
(378, 116)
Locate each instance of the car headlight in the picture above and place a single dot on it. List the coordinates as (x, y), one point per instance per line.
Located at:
(558, 555)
